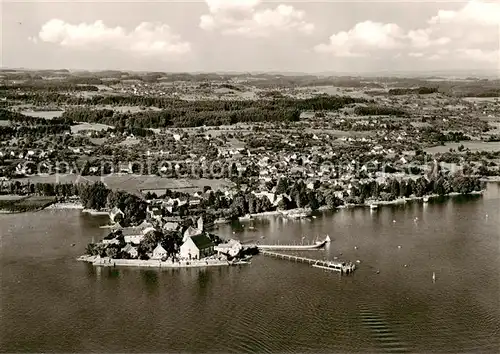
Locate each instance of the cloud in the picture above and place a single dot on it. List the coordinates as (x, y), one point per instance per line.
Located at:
(362, 38)
(421, 38)
(468, 34)
(487, 56)
(147, 39)
(475, 11)
(241, 17)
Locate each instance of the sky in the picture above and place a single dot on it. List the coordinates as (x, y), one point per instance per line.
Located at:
(251, 35)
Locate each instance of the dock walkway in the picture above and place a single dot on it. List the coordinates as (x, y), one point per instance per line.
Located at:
(342, 267)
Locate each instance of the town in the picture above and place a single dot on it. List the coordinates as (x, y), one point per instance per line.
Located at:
(167, 156)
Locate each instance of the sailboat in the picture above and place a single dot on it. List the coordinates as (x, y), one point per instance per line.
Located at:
(433, 277)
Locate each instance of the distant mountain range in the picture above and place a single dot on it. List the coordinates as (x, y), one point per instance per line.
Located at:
(448, 74)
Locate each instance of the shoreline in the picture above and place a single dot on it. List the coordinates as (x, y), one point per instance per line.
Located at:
(95, 212)
(66, 205)
(152, 263)
(397, 201)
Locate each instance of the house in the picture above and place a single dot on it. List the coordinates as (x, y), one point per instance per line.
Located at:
(159, 252)
(144, 225)
(231, 248)
(125, 168)
(115, 214)
(155, 212)
(110, 240)
(190, 232)
(197, 247)
(170, 226)
(147, 229)
(200, 224)
(133, 235)
(130, 250)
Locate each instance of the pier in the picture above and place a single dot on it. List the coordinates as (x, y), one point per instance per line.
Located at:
(342, 267)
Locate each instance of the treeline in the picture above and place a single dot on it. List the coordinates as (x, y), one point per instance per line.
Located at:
(198, 113)
(48, 86)
(433, 135)
(35, 131)
(378, 111)
(324, 102)
(27, 120)
(488, 93)
(180, 117)
(94, 196)
(407, 91)
(295, 194)
(34, 126)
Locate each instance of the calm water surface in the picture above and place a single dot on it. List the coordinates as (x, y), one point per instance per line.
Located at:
(52, 303)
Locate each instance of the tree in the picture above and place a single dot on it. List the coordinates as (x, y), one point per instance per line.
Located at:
(420, 187)
(312, 201)
(332, 201)
(86, 169)
(439, 187)
(282, 186)
(395, 187)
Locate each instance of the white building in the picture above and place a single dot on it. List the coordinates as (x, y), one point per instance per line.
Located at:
(159, 252)
(231, 248)
(130, 250)
(197, 247)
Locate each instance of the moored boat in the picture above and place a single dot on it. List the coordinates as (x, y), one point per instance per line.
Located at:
(247, 217)
(316, 245)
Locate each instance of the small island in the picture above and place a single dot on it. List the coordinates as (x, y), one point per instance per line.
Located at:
(163, 244)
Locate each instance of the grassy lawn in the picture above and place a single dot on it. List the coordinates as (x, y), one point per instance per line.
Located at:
(24, 204)
(472, 145)
(89, 126)
(43, 114)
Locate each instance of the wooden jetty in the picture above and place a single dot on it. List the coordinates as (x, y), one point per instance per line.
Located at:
(342, 267)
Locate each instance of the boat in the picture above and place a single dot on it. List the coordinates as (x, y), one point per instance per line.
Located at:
(316, 245)
(239, 262)
(373, 206)
(247, 217)
(433, 276)
(426, 199)
(222, 221)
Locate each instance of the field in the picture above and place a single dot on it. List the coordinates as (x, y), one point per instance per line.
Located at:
(10, 197)
(129, 142)
(125, 109)
(89, 126)
(472, 145)
(481, 99)
(26, 204)
(43, 114)
(133, 183)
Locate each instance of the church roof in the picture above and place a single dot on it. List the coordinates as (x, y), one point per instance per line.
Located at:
(202, 241)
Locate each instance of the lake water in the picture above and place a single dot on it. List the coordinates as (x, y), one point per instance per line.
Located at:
(52, 303)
